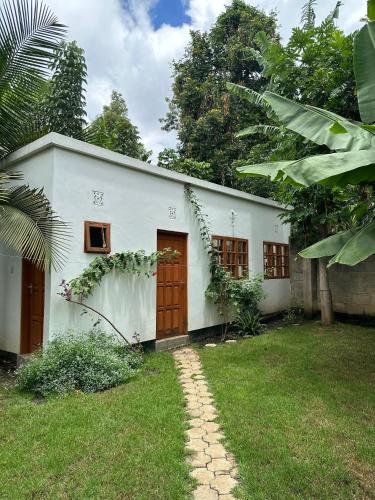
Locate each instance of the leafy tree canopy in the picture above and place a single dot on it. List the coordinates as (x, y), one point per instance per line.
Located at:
(200, 110)
(64, 105)
(315, 67)
(113, 130)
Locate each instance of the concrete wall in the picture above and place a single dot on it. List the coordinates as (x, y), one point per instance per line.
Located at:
(353, 288)
(38, 173)
(137, 204)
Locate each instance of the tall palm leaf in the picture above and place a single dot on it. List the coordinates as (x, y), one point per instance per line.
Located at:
(29, 32)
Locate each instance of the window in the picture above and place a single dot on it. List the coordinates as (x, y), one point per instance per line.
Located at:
(97, 237)
(276, 260)
(232, 254)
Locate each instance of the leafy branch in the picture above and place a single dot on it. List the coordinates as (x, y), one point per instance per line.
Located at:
(137, 263)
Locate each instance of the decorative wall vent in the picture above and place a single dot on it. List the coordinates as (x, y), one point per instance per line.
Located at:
(172, 212)
(98, 198)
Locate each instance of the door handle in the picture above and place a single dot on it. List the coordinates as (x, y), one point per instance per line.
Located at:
(30, 288)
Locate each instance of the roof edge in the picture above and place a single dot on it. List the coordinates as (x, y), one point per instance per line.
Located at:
(60, 141)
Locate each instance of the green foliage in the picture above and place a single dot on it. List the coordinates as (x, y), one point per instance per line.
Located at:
(312, 56)
(169, 158)
(64, 105)
(29, 34)
(249, 323)
(125, 262)
(87, 362)
(200, 110)
(232, 297)
(235, 297)
(113, 130)
(65, 101)
(308, 15)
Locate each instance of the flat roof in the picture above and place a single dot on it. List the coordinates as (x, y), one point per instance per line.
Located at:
(69, 144)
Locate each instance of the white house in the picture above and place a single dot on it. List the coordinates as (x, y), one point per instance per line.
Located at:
(135, 206)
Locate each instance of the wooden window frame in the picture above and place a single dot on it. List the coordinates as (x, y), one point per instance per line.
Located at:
(103, 225)
(281, 266)
(233, 267)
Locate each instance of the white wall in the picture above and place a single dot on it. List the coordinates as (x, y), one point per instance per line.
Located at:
(37, 173)
(136, 204)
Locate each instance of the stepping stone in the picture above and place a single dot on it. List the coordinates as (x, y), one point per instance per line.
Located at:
(210, 426)
(210, 345)
(203, 476)
(205, 493)
(209, 408)
(199, 459)
(231, 341)
(197, 444)
(223, 484)
(215, 451)
(197, 422)
(213, 467)
(219, 464)
(214, 437)
(195, 432)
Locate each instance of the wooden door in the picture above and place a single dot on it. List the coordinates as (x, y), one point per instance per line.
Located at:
(171, 315)
(32, 317)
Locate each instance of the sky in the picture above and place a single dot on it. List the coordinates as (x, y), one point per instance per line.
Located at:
(130, 44)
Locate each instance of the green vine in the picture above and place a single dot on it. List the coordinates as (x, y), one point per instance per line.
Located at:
(232, 297)
(126, 262)
(131, 262)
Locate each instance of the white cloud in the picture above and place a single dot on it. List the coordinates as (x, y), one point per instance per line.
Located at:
(124, 52)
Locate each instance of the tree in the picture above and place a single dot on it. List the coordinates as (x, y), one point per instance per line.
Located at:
(64, 104)
(169, 159)
(113, 130)
(200, 110)
(29, 34)
(353, 159)
(313, 55)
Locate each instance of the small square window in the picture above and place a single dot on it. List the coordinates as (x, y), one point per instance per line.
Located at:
(97, 237)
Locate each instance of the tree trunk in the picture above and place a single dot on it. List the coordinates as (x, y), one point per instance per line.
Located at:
(325, 294)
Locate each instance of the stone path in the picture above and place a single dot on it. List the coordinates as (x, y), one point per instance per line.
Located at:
(213, 467)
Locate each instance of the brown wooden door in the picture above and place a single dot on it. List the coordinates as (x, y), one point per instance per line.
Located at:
(32, 307)
(171, 315)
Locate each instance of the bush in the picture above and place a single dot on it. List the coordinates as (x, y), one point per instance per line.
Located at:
(89, 362)
(249, 323)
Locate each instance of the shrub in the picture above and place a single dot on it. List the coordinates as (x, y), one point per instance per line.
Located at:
(89, 362)
(249, 323)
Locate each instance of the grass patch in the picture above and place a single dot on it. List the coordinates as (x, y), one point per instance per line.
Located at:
(127, 442)
(298, 409)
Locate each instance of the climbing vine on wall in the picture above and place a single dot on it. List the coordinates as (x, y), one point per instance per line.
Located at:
(232, 297)
(137, 263)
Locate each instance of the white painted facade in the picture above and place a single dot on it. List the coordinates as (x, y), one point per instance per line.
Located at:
(137, 201)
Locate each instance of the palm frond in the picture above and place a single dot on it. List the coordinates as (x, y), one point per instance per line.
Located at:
(29, 226)
(260, 129)
(29, 33)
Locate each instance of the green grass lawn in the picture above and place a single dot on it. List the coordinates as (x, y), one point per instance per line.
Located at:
(124, 443)
(298, 409)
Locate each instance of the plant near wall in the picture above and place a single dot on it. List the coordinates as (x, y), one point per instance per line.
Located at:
(137, 263)
(232, 297)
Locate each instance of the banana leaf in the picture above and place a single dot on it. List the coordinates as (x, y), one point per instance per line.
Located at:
(364, 70)
(319, 125)
(360, 246)
(327, 247)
